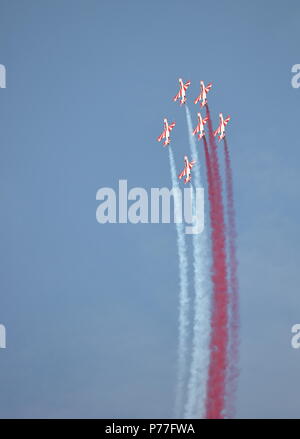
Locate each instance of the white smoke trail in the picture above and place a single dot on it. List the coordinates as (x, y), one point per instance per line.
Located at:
(183, 295)
(195, 406)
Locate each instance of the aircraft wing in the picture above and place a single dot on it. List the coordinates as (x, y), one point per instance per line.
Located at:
(198, 98)
(183, 173)
(218, 130)
(208, 87)
(162, 136)
(177, 96)
(196, 130)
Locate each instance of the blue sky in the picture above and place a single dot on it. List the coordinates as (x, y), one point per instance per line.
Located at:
(91, 310)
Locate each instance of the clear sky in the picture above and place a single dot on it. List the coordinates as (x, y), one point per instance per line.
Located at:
(91, 310)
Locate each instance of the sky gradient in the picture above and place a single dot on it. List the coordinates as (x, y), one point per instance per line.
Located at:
(91, 310)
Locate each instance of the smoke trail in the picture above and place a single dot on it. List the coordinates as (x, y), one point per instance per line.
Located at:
(219, 337)
(183, 295)
(195, 406)
(233, 350)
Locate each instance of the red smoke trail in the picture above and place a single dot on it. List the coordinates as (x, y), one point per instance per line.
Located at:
(233, 350)
(210, 179)
(215, 400)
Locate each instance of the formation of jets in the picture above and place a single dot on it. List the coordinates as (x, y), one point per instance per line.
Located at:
(202, 98)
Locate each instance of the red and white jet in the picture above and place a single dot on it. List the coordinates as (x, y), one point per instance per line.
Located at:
(221, 128)
(203, 94)
(166, 132)
(200, 126)
(187, 169)
(182, 90)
